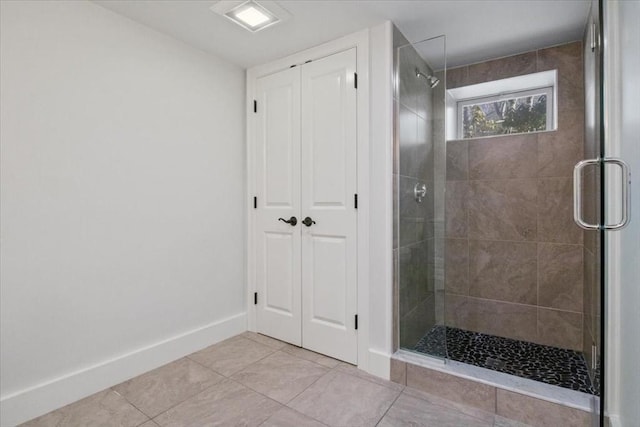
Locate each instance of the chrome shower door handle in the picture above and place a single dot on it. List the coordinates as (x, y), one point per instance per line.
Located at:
(577, 194)
(626, 193)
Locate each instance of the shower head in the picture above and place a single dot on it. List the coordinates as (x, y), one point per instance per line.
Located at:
(433, 81)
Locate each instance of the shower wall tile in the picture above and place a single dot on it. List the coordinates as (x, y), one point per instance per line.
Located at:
(492, 317)
(560, 279)
(555, 212)
(567, 59)
(457, 77)
(457, 266)
(537, 412)
(457, 160)
(504, 271)
(456, 206)
(512, 156)
(503, 210)
(452, 388)
(408, 206)
(560, 150)
(417, 322)
(560, 328)
(502, 68)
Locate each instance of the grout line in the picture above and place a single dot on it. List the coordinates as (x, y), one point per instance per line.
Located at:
(131, 403)
(389, 408)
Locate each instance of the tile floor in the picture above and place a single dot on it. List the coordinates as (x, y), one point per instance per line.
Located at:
(253, 380)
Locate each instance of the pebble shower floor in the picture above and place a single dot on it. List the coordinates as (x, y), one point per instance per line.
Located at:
(551, 365)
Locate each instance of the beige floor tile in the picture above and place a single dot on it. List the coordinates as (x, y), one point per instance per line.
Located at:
(224, 404)
(411, 411)
(160, 389)
(311, 356)
(149, 423)
(504, 422)
(287, 417)
(353, 370)
(280, 376)
(342, 400)
(263, 339)
(232, 355)
(106, 408)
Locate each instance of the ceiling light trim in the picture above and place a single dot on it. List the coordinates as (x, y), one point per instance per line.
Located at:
(233, 11)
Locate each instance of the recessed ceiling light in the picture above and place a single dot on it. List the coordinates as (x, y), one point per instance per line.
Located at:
(251, 15)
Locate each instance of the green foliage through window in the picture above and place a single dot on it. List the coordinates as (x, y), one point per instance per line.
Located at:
(514, 115)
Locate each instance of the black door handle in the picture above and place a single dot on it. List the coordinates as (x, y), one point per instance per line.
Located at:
(292, 221)
(308, 221)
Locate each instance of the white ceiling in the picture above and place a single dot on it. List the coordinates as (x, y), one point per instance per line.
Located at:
(476, 29)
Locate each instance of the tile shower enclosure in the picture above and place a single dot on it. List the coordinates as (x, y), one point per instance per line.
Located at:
(498, 252)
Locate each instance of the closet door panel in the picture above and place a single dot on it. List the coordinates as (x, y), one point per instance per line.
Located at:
(328, 186)
(277, 244)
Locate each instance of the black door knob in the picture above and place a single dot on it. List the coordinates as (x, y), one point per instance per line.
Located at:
(292, 221)
(308, 221)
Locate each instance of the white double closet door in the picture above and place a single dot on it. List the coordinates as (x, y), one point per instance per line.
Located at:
(305, 166)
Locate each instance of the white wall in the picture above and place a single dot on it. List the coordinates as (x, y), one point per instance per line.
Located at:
(380, 205)
(622, 91)
(122, 202)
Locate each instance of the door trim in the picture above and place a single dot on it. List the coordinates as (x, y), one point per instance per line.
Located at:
(359, 40)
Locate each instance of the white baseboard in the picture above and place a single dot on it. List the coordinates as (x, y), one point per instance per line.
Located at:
(45, 397)
(379, 364)
(614, 421)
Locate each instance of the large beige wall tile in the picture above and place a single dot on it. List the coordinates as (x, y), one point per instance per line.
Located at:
(457, 160)
(503, 319)
(560, 150)
(457, 77)
(505, 271)
(560, 277)
(555, 212)
(457, 202)
(560, 328)
(567, 59)
(539, 413)
(503, 210)
(456, 264)
(512, 156)
(453, 388)
(502, 68)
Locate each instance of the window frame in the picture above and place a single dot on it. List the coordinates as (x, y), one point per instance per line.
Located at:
(505, 88)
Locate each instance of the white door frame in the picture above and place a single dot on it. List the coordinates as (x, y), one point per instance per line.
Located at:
(360, 41)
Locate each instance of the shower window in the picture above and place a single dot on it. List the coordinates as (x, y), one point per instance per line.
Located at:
(509, 106)
(503, 114)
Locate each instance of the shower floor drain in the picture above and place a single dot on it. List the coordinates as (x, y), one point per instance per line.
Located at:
(551, 365)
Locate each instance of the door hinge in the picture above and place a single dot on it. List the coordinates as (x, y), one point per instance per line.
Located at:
(255, 202)
(255, 298)
(355, 200)
(255, 106)
(594, 39)
(356, 322)
(355, 80)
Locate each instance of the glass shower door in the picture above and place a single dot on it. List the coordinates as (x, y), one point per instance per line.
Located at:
(419, 179)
